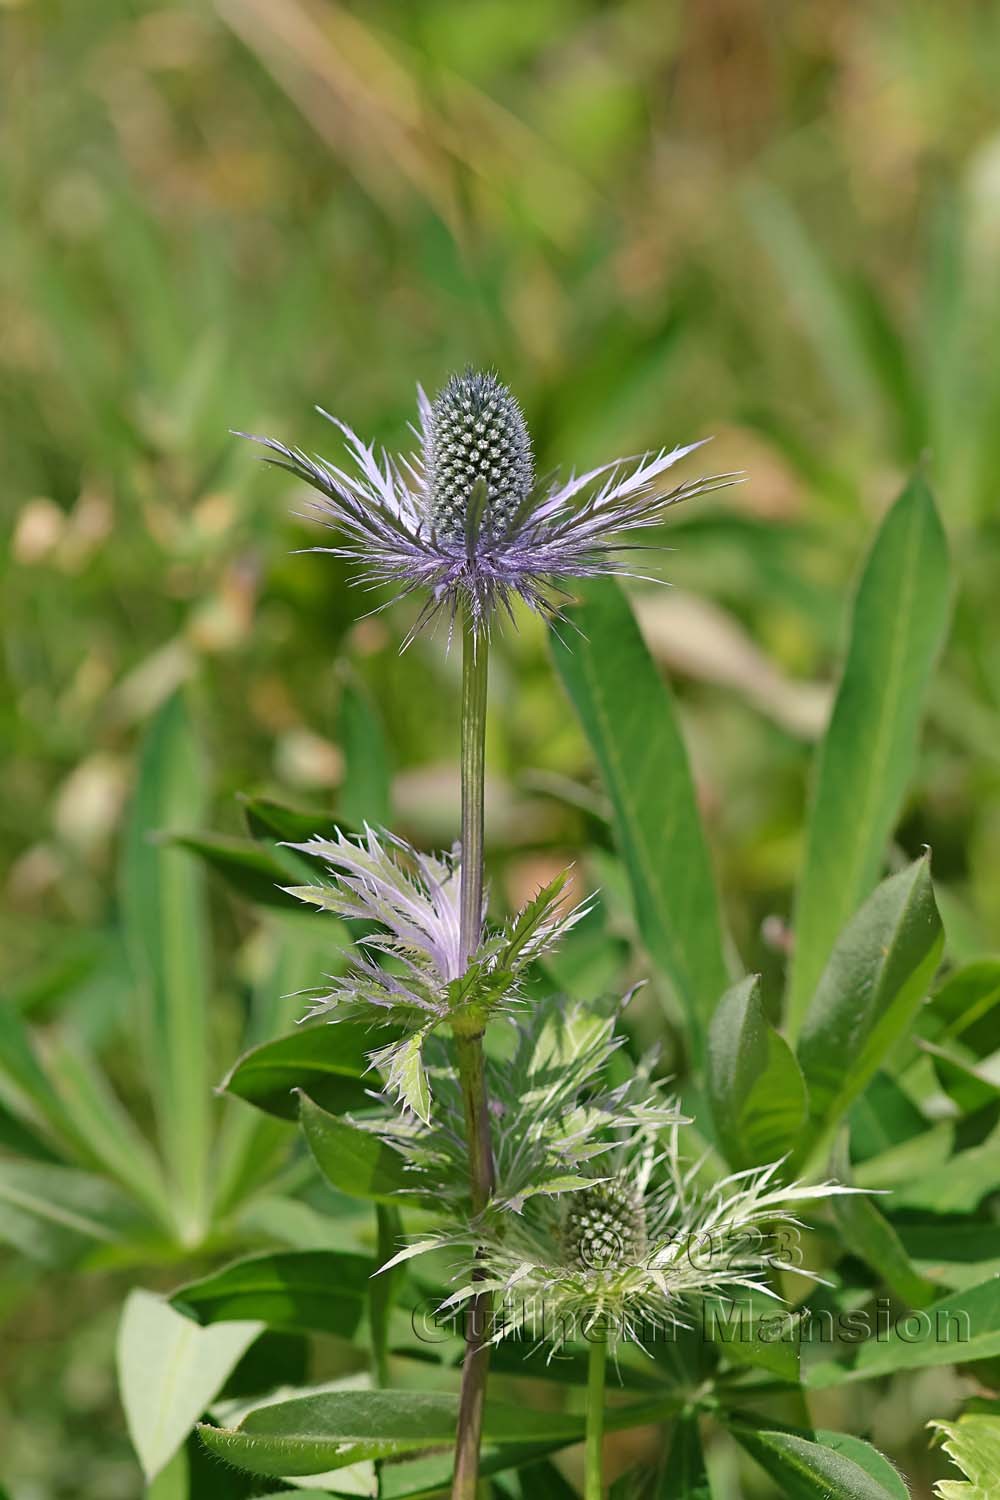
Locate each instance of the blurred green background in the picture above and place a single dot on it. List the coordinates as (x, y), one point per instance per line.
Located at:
(778, 223)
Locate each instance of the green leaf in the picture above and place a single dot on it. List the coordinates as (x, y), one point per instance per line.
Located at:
(973, 1443)
(297, 1225)
(867, 756)
(900, 1165)
(754, 1330)
(628, 715)
(352, 1160)
(251, 1141)
(755, 1088)
(405, 1074)
(954, 1252)
(877, 975)
(868, 1458)
(169, 1370)
(257, 872)
(21, 1140)
(965, 1004)
(969, 1087)
(269, 819)
(684, 1474)
(25, 1087)
(817, 1469)
(543, 1481)
(364, 795)
(304, 1291)
(962, 1327)
(106, 1129)
(866, 1232)
(429, 1478)
(162, 900)
(956, 1186)
(884, 1116)
(382, 1289)
(314, 1434)
(173, 1482)
(58, 1215)
(815, 297)
(328, 1062)
(511, 1357)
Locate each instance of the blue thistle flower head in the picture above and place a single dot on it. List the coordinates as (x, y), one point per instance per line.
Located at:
(464, 519)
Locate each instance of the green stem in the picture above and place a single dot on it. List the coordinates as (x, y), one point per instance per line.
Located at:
(469, 1046)
(593, 1472)
(475, 675)
(389, 1233)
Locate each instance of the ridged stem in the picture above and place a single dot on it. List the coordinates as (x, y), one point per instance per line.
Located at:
(593, 1470)
(469, 1045)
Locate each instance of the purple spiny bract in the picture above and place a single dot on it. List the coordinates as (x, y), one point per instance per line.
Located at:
(464, 519)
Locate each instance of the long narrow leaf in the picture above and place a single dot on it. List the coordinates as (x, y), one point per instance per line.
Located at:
(628, 715)
(878, 973)
(867, 756)
(162, 899)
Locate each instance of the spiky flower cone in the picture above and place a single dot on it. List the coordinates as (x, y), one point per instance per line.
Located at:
(605, 1224)
(477, 432)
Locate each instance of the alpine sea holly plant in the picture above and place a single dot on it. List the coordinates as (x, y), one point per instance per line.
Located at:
(542, 1205)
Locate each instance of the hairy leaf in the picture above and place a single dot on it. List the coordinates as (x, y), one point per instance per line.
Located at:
(313, 1434)
(823, 1467)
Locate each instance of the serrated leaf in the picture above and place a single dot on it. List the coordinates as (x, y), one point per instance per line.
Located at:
(520, 938)
(405, 1074)
(973, 1444)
